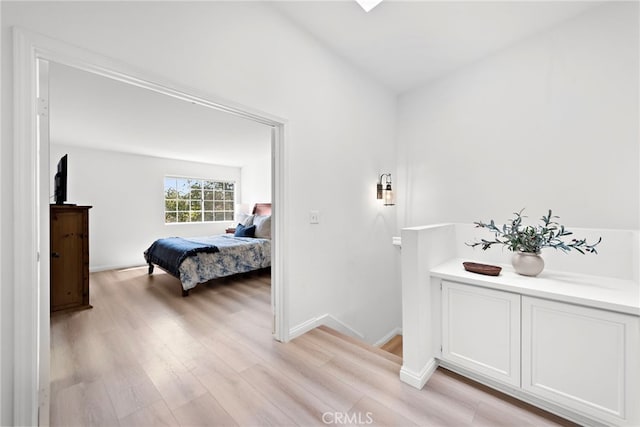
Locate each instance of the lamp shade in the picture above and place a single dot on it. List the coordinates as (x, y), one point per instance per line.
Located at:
(384, 191)
(243, 208)
(388, 196)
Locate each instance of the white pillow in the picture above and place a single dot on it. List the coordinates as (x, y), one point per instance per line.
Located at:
(245, 219)
(263, 226)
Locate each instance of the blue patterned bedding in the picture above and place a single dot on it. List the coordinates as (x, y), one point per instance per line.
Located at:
(169, 253)
(233, 255)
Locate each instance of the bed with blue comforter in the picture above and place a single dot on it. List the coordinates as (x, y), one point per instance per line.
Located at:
(196, 260)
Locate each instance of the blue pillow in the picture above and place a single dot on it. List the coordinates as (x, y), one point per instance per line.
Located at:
(242, 231)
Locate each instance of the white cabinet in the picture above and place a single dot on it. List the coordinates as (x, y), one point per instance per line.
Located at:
(578, 359)
(481, 330)
(581, 358)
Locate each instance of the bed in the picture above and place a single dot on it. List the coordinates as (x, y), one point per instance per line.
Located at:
(195, 260)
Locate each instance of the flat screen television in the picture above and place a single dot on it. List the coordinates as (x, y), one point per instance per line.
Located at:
(60, 186)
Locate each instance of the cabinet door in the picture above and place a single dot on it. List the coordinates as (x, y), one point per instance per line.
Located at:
(481, 330)
(582, 358)
(67, 268)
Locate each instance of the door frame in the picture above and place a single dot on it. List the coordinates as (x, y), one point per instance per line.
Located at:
(31, 203)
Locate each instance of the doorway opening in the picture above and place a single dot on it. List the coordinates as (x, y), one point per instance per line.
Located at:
(32, 55)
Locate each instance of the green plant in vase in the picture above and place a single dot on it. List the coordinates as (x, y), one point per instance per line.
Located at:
(526, 241)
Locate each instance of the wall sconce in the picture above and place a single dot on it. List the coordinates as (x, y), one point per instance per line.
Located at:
(384, 191)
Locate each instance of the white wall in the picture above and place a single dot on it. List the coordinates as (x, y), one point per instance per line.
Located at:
(256, 180)
(6, 334)
(551, 122)
(127, 195)
(340, 135)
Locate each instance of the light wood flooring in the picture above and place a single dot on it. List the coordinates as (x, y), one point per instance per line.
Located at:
(145, 356)
(394, 345)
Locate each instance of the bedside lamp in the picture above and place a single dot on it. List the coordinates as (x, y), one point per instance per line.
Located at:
(384, 191)
(243, 208)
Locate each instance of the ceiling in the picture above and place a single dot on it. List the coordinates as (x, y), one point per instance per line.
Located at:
(88, 110)
(401, 44)
(404, 44)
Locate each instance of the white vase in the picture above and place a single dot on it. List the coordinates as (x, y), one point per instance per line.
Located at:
(527, 263)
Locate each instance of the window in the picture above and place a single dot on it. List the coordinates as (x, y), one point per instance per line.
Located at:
(198, 200)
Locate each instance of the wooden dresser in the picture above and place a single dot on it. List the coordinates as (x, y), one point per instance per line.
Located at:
(69, 257)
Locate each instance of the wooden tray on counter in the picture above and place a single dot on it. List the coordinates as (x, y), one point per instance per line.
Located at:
(486, 269)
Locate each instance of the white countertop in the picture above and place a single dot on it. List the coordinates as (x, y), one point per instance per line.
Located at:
(593, 291)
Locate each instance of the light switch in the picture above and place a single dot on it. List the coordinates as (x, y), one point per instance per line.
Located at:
(314, 217)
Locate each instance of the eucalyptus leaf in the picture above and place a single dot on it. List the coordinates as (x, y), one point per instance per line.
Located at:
(533, 238)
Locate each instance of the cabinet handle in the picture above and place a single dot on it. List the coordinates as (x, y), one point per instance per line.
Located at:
(55, 255)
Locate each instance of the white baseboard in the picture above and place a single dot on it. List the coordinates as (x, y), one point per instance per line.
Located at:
(324, 320)
(303, 328)
(385, 339)
(98, 268)
(418, 379)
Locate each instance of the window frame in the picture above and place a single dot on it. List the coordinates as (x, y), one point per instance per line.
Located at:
(228, 214)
